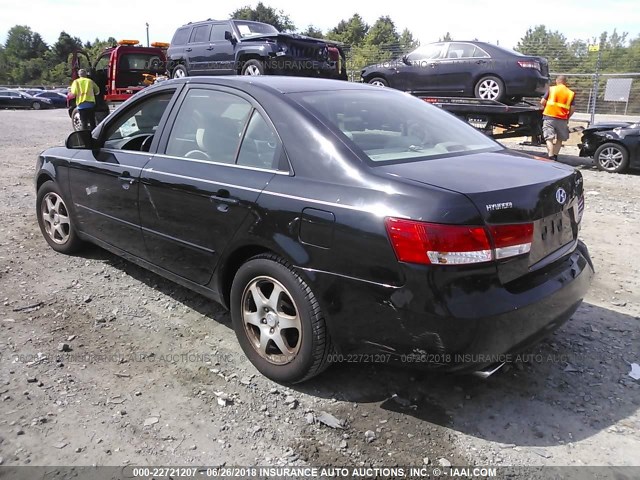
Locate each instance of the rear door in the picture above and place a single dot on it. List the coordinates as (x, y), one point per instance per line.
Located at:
(219, 154)
(104, 183)
(462, 62)
(198, 50)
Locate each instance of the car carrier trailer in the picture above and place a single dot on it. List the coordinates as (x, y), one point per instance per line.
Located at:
(494, 118)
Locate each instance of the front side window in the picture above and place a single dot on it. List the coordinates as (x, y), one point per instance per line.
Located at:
(209, 126)
(103, 62)
(217, 32)
(392, 127)
(134, 129)
(428, 52)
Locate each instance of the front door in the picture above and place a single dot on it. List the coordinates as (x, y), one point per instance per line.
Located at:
(222, 52)
(104, 183)
(218, 157)
(418, 72)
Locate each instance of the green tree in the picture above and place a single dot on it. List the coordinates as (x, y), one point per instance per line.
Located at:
(350, 32)
(446, 38)
(552, 45)
(265, 14)
(382, 32)
(312, 31)
(21, 44)
(65, 45)
(407, 42)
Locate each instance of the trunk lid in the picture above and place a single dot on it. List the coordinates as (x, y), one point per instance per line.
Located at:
(510, 188)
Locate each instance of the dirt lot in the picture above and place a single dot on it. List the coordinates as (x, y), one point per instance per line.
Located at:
(154, 374)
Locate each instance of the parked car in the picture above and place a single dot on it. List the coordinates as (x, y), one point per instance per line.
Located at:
(15, 99)
(58, 100)
(230, 47)
(332, 218)
(614, 146)
(464, 69)
(31, 91)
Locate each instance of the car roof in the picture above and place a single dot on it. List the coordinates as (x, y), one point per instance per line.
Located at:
(281, 84)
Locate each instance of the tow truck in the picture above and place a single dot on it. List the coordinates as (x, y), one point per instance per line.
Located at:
(496, 119)
(120, 71)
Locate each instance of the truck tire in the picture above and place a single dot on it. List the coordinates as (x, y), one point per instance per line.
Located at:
(490, 88)
(253, 67)
(179, 72)
(75, 120)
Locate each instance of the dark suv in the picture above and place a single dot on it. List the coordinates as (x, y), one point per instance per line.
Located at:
(232, 47)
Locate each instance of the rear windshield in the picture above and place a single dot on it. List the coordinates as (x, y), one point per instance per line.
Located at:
(389, 126)
(249, 29)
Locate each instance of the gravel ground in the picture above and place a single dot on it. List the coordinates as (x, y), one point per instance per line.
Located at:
(102, 362)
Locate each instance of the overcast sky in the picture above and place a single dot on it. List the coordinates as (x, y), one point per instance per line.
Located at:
(492, 21)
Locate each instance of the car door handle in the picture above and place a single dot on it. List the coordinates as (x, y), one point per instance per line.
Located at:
(209, 48)
(481, 61)
(127, 179)
(433, 65)
(188, 49)
(222, 196)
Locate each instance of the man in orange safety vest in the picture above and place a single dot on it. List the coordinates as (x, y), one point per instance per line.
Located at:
(558, 108)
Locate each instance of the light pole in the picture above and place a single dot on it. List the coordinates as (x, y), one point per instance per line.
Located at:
(147, 24)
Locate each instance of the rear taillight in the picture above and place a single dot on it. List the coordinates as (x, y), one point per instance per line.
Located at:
(529, 64)
(438, 244)
(511, 240)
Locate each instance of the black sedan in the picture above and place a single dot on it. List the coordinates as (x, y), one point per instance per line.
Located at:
(331, 218)
(614, 146)
(58, 100)
(464, 69)
(15, 99)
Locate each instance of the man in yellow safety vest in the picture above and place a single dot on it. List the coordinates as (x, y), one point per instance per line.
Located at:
(558, 108)
(84, 90)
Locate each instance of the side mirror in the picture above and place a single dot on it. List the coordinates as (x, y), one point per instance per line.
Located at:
(405, 60)
(229, 36)
(80, 140)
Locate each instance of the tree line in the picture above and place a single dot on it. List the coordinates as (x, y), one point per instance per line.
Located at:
(25, 58)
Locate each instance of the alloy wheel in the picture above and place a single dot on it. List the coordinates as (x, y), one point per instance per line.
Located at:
(271, 320)
(252, 70)
(179, 73)
(378, 83)
(489, 89)
(611, 158)
(55, 217)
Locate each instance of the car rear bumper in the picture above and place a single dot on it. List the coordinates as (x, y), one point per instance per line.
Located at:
(527, 86)
(469, 323)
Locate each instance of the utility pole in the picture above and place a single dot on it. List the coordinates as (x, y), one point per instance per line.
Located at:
(596, 81)
(147, 24)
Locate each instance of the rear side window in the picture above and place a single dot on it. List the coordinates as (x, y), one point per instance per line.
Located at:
(181, 37)
(260, 146)
(391, 127)
(200, 34)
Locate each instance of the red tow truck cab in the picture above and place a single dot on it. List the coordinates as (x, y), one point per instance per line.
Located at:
(120, 71)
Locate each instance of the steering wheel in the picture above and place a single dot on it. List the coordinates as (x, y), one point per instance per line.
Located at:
(197, 153)
(146, 144)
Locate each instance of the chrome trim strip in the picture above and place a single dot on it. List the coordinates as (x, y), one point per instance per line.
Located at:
(232, 165)
(212, 182)
(313, 270)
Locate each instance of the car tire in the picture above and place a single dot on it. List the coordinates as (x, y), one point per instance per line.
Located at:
(36, 105)
(304, 345)
(55, 221)
(490, 88)
(180, 72)
(378, 81)
(253, 67)
(611, 157)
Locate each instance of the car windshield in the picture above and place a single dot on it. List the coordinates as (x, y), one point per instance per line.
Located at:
(249, 29)
(393, 127)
